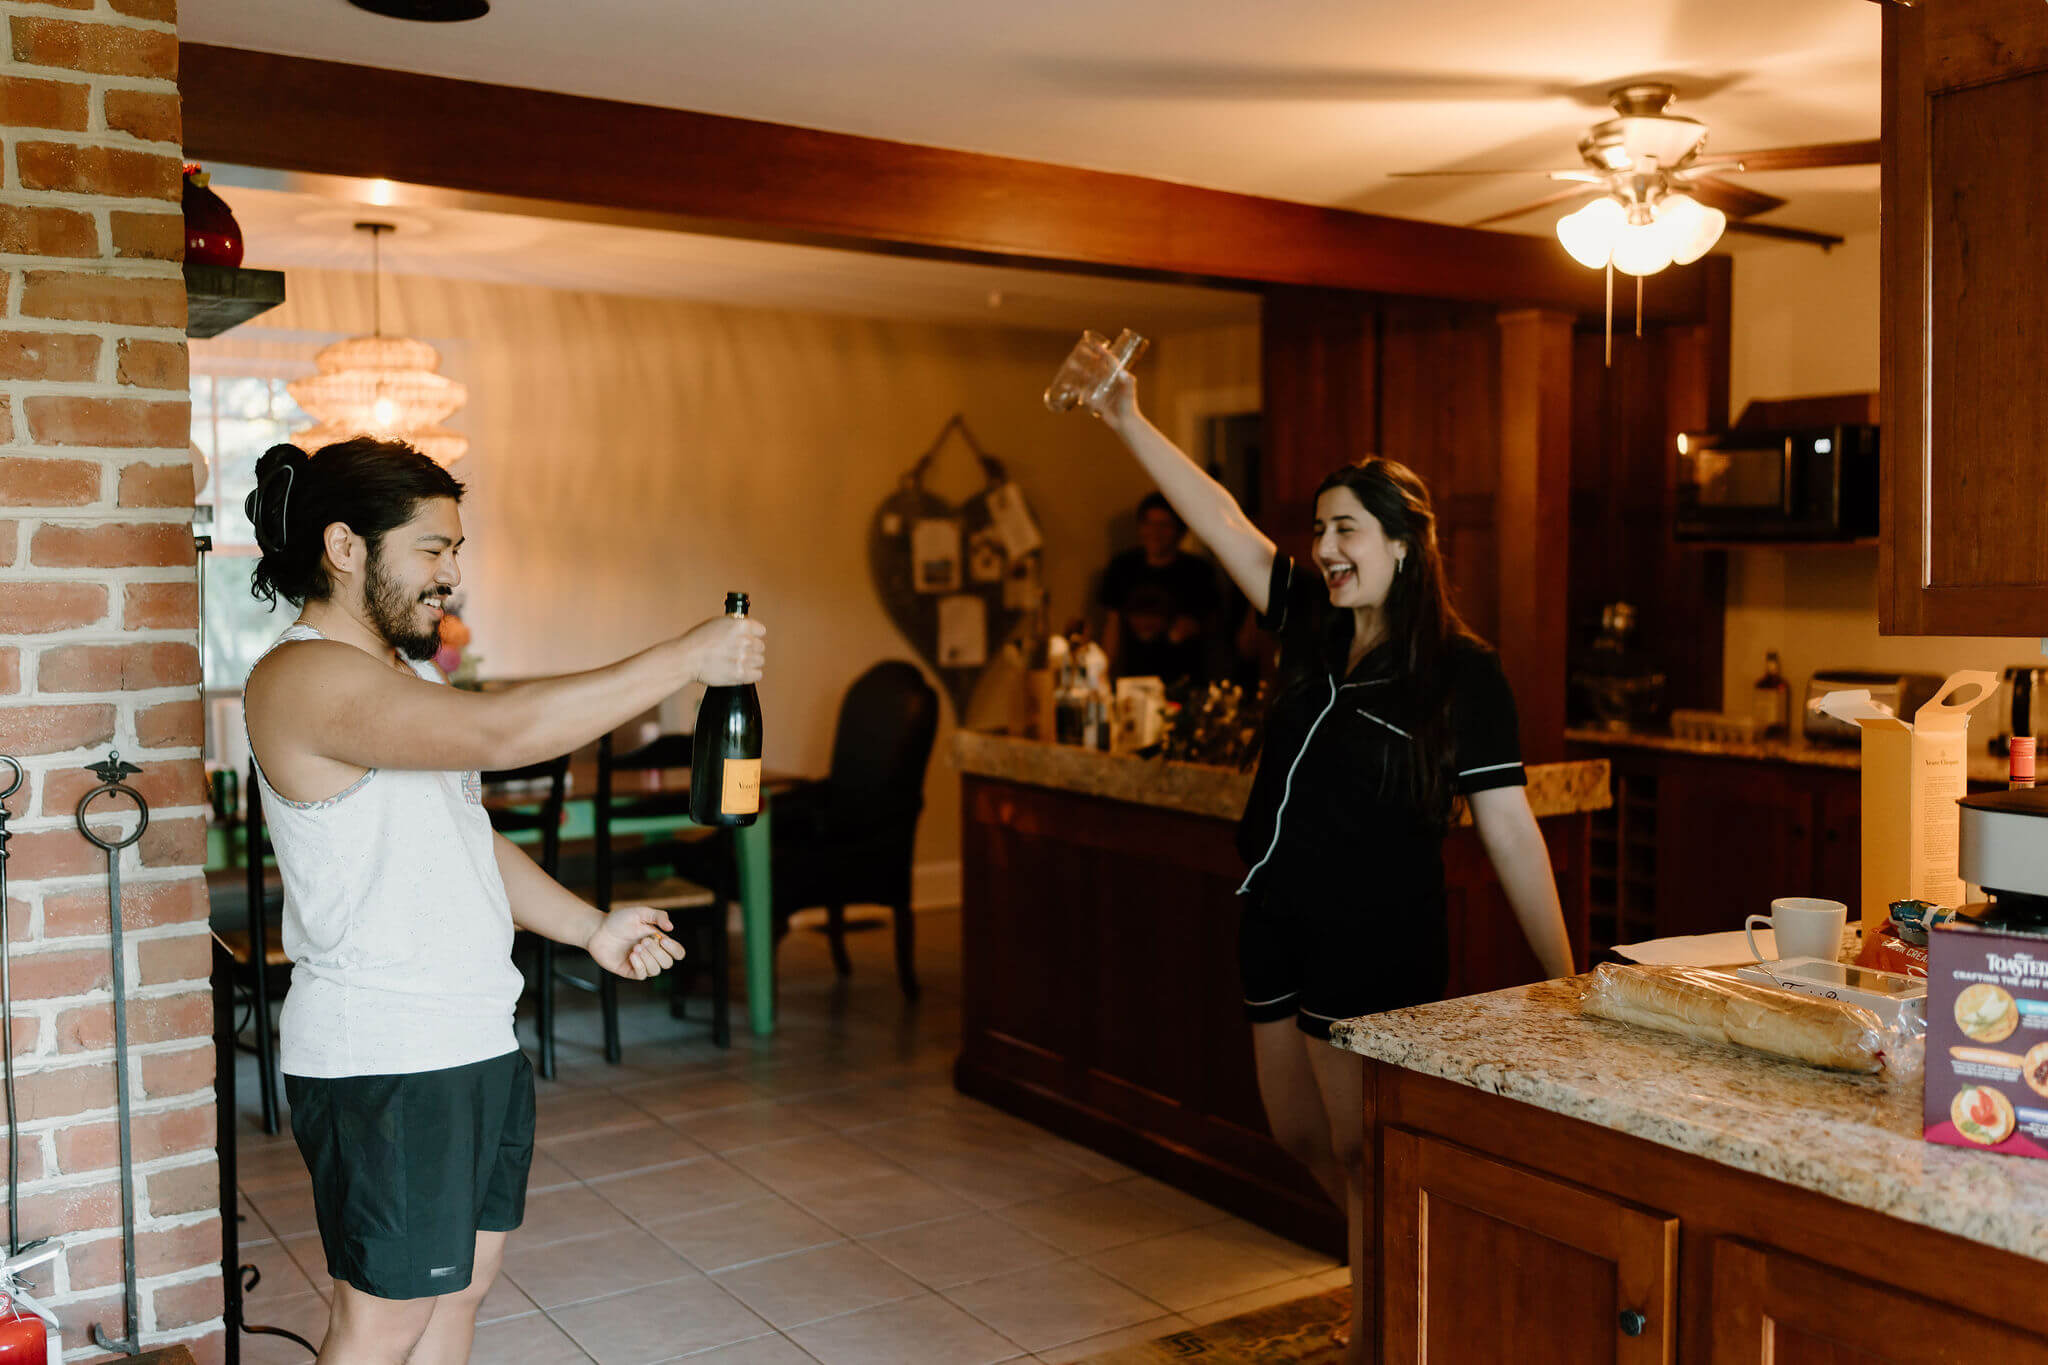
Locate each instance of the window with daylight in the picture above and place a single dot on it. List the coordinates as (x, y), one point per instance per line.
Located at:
(235, 418)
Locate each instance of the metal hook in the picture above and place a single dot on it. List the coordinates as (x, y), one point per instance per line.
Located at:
(110, 774)
(19, 778)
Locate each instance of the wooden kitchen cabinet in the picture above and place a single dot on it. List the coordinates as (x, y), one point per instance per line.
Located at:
(1965, 288)
(1772, 1308)
(1506, 1263)
(1730, 831)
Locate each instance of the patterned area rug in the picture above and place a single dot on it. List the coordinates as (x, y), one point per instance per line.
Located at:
(1292, 1333)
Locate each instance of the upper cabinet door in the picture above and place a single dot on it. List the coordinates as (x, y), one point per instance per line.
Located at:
(1965, 319)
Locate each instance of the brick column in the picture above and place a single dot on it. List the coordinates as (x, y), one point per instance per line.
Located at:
(99, 651)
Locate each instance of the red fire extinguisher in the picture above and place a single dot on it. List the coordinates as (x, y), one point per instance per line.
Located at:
(28, 1331)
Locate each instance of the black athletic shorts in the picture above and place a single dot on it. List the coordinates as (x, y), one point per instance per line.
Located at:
(1322, 968)
(407, 1169)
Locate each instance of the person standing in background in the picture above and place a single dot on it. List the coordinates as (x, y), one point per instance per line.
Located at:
(1160, 603)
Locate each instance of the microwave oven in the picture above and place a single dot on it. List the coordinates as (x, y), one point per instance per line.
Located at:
(1805, 483)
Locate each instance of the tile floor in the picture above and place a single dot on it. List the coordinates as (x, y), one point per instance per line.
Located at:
(823, 1196)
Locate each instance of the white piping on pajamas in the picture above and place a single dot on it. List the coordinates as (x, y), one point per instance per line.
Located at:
(1489, 768)
(1288, 790)
(1255, 1004)
(1377, 721)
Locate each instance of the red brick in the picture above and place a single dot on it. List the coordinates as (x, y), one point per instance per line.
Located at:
(6, 419)
(59, 1092)
(187, 1189)
(144, 905)
(30, 103)
(165, 784)
(64, 4)
(164, 10)
(27, 230)
(28, 1031)
(7, 542)
(189, 1304)
(99, 49)
(151, 115)
(39, 608)
(157, 485)
(162, 962)
(57, 356)
(148, 236)
(10, 671)
(90, 1028)
(180, 1073)
(159, 606)
(171, 725)
(59, 1211)
(96, 1146)
(113, 545)
(174, 843)
(85, 296)
(26, 481)
(54, 730)
(74, 971)
(116, 668)
(117, 172)
(158, 1251)
(107, 422)
(155, 365)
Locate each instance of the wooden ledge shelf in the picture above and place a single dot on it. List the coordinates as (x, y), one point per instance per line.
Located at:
(219, 297)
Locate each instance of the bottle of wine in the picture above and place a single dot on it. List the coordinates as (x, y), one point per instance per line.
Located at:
(725, 756)
(1772, 700)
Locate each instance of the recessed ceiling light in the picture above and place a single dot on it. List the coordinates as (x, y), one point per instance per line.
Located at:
(427, 11)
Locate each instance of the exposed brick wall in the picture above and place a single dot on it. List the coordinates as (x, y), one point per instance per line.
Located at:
(98, 651)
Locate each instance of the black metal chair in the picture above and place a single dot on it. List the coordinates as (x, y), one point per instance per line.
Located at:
(851, 838)
(646, 874)
(258, 939)
(545, 816)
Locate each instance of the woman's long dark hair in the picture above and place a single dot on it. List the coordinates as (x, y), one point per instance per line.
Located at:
(1422, 624)
(371, 486)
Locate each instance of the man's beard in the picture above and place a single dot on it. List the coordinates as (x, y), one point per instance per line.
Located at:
(395, 613)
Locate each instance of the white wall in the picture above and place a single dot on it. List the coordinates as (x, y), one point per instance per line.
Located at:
(1806, 323)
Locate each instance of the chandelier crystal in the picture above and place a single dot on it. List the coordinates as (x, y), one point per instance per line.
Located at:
(387, 387)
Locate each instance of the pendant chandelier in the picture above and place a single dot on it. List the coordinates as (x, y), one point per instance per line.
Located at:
(387, 387)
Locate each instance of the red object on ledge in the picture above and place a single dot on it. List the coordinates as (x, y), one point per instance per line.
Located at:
(212, 236)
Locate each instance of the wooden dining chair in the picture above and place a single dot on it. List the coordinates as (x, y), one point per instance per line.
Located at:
(258, 939)
(544, 815)
(644, 875)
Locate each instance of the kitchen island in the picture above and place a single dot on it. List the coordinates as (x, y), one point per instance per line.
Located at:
(1099, 959)
(1616, 1194)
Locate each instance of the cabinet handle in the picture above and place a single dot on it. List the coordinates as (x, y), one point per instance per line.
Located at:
(1633, 1322)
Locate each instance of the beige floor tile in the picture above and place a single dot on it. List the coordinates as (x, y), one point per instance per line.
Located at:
(287, 1212)
(1296, 1257)
(789, 1166)
(1090, 1163)
(959, 1251)
(995, 1178)
(531, 1340)
(873, 1205)
(561, 1113)
(311, 1258)
(1287, 1291)
(1051, 1305)
(546, 1173)
(271, 1168)
(670, 1192)
(279, 1276)
(622, 1150)
(658, 1323)
(1093, 1219)
(691, 1095)
(305, 1314)
(504, 1301)
(740, 1234)
(928, 1330)
(792, 1290)
(768, 1350)
(1195, 1212)
(1330, 1279)
(1185, 1269)
(745, 1125)
(575, 1211)
(560, 1273)
(1091, 1347)
(855, 1108)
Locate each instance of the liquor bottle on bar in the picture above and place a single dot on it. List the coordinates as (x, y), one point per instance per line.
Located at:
(725, 757)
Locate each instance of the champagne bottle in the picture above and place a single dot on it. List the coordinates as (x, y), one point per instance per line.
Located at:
(725, 755)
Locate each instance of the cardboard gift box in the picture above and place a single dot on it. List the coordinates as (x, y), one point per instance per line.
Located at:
(1987, 1038)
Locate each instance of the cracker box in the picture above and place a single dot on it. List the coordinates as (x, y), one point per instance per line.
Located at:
(1987, 1039)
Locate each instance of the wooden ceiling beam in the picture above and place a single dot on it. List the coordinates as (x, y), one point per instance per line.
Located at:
(742, 178)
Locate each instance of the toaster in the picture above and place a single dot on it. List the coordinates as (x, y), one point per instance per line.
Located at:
(1904, 693)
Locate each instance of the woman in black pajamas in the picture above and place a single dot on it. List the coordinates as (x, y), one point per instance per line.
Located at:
(1388, 711)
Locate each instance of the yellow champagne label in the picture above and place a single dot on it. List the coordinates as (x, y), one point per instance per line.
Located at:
(742, 794)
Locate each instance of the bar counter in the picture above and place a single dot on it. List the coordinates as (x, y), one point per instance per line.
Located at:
(1099, 958)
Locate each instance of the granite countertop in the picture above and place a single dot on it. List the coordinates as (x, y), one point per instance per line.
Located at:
(1854, 1138)
(1198, 789)
(1983, 767)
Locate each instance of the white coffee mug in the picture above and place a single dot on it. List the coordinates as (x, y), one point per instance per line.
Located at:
(1804, 926)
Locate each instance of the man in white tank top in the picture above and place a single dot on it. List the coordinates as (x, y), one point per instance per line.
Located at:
(410, 1098)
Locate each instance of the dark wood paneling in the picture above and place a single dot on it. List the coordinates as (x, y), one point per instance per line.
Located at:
(737, 177)
(1319, 368)
(1534, 547)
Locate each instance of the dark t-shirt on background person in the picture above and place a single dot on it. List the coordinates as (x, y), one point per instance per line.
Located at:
(1148, 598)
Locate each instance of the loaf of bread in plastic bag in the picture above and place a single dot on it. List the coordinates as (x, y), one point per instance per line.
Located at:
(1718, 1008)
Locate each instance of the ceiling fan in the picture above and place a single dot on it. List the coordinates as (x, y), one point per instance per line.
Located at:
(1655, 199)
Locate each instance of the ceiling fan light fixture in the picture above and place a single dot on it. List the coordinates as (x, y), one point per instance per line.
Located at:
(1641, 249)
(1690, 227)
(1589, 234)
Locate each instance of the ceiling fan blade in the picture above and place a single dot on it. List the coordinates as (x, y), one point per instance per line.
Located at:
(1573, 192)
(1737, 201)
(1810, 157)
(1788, 234)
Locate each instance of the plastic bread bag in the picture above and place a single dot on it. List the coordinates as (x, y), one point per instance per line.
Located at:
(1716, 1008)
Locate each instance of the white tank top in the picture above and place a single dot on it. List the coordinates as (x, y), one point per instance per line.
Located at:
(396, 922)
